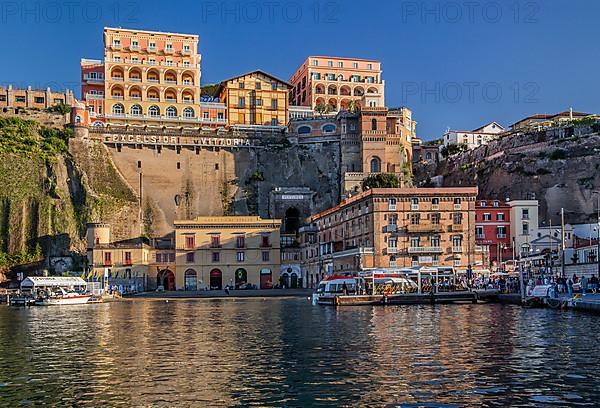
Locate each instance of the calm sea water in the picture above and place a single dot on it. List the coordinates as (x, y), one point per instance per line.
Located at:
(285, 352)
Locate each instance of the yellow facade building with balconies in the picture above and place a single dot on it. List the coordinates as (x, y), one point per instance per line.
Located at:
(255, 98)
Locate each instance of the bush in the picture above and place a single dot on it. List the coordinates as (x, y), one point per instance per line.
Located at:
(382, 180)
(61, 108)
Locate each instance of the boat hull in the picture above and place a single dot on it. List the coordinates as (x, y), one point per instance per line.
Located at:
(70, 300)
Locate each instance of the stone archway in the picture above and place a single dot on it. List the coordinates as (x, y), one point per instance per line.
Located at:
(291, 221)
(166, 279)
(216, 279)
(241, 277)
(190, 280)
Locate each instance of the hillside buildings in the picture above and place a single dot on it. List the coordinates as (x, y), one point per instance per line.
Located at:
(474, 138)
(33, 98)
(540, 121)
(337, 83)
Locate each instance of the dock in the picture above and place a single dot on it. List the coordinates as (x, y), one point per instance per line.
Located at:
(409, 298)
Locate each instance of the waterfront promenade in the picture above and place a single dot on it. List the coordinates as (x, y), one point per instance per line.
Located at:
(221, 294)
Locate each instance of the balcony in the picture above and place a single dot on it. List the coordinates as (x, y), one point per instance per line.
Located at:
(117, 78)
(171, 99)
(457, 207)
(425, 250)
(500, 235)
(170, 81)
(151, 48)
(153, 81)
(414, 207)
(107, 263)
(186, 51)
(390, 228)
(435, 207)
(94, 97)
(153, 99)
(188, 101)
(456, 228)
(392, 250)
(135, 98)
(135, 79)
(128, 262)
(117, 97)
(169, 50)
(411, 228)
(116, 46)
(457, 249)
(479, 236)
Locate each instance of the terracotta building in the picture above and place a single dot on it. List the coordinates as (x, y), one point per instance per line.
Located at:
(255, 98)
(389, 228)
(336, 82)
(147, 78)
(214, 252)
(33, 98)
(492, 230)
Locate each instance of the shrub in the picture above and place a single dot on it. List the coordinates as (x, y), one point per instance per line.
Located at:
(382, 180)
(558, 154)
(61, 108)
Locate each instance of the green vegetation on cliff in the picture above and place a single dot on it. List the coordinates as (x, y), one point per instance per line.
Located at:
(28, 137)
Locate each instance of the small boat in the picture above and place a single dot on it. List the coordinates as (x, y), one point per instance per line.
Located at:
(63, 298)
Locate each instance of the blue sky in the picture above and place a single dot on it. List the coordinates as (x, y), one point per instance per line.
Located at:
(455, 64)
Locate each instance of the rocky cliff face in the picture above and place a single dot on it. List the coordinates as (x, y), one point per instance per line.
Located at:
(558, 167)
(49, 189)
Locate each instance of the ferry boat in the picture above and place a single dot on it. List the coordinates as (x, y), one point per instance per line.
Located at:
(362, 285)
(55, 290)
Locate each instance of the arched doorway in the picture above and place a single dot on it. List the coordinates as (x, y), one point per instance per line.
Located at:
(241, 277)
(166, 279)
(266, 278)
(216, 279)
(284, 280)
(375, 165)
(293, 280)
(191, 280)
(291, 220)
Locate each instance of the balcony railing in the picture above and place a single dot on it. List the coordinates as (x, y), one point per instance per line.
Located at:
(170, 81)
(457, 249)
(457, 206)
(117, 97)
(135, 79)
(135, 98)
(117, 78)
(424, 228)
(392, 250)
(500, 235)
(425, 250)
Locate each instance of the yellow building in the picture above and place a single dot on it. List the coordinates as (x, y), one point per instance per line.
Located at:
(215, 252)
(255, 98)
(151, 75)
(121, 261)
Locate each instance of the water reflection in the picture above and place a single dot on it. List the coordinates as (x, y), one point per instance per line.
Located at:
(270, 352)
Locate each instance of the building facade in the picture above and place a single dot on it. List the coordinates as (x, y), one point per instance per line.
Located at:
(524, 223)
(474, 138)
(255, 98)
(33, 98)
(233, 251)
(492, 231)
(338, 83)
(541, 121)
(147, 78)
(394, 228)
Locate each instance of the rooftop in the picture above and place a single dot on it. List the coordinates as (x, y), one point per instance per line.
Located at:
(118, 29)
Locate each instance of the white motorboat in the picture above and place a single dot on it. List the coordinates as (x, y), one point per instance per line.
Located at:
(64, 298)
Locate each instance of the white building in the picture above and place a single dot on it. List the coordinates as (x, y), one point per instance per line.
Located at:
(475, 138)
(523, 225)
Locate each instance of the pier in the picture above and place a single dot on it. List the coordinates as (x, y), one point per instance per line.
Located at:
(410, 298)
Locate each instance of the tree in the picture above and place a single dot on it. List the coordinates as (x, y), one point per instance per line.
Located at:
(381, 180)
(323, 108)
(353, 106)
(61, 108)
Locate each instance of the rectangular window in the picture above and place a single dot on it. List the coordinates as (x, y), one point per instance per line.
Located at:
(340, 64)
(479, 232)
(525, 213)
(19, 99)
(107, 258)
(257, 86)
(487, 216)
(369, 66)
(242, 102)
(355, 65)
(315, 63)
(415, 219)
(501, 232)
(38, 99)
(273, 104)
(500, 217)
(240, 256)
(158, 257)
(330, 63)
(266, 241)
(215, 241)
(525, 228)
(457, 218)
(134, 44)
(435, 219)
(242, 85)
(216, 257)
(266, 256)
(189, 257)
(273, 86)
(190, 242)
(240, 241)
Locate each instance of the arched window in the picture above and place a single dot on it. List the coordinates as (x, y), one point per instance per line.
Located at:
(427, 156)
(329, 128)
(373, 124)
(118, 109)
(188, 112)
(136, 110)
(77, 119)
(154, 111)
(375, 165)
(171, 112)
(98, 124)
(304, 130)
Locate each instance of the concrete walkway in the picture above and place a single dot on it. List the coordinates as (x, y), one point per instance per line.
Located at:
(220, 294)
(589, 302)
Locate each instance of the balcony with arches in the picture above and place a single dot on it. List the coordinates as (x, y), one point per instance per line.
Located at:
(170, 95)
(117, 73)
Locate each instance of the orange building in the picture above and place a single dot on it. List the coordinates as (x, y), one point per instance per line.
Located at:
(398, 227)
(147, 78)
(33, 98)
(336, 82)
